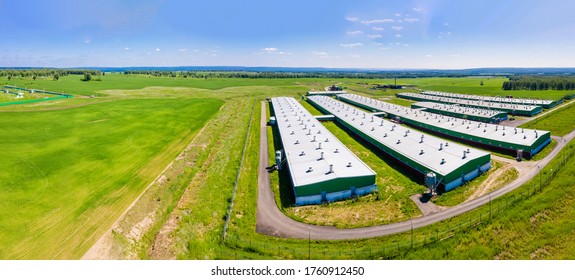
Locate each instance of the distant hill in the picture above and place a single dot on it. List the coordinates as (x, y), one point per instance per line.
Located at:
(414, 72)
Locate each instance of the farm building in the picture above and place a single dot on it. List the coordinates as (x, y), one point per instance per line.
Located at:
(526, 142)
(449, 163)
(469, 113)
(519, 101)
(321, 168)
(513, 109)
(327, 93)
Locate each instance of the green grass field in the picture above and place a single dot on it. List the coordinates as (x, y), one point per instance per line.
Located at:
(71, 167)
(65, 173)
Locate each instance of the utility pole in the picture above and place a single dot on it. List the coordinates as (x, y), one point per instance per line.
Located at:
(539, 177)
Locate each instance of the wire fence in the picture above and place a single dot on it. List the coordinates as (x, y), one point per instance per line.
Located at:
(236, 245)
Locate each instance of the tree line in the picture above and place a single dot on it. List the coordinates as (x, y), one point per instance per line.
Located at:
(540, 83)
(203, 74)
(54, 74)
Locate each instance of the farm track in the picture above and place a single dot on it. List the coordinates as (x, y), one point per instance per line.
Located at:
(271, 221)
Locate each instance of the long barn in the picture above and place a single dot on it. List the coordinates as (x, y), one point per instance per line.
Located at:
(432, 158)
(526, 142)
(321, 168)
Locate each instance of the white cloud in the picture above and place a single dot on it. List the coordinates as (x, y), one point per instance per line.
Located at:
(158, 50)
(411, 19)
(386, 48)
(320, 54)
(87, 41)
(355, 56)
(126, 49)
(454, 55)
(378, 28)
(352, 45)
(270, 50)
(398, 36)
(378, 43)
(397, 28)
(406, 45)
(428, 56)
(375, 21)
(374, 36)
(352, 19)
(354, 33)
(397, 14)
(419, 10)
(275, 51)
(446, 24)
(182, 50)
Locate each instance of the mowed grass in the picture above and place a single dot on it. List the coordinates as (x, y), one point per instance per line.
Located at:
(559, 122)
(68, 174)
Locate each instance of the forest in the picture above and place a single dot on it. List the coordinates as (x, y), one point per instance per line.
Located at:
(540, 83)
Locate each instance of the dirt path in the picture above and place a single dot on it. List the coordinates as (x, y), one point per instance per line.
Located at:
(490, 183)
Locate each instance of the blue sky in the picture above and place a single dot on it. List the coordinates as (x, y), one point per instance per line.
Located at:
(438, 34)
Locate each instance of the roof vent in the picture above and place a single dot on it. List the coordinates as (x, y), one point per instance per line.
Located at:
(309, 170)
(421, 152)
(398, 141)
(442, 161)
(302, 153)
(296, 141)
(440, 146)
(348, 164)
(326, 139)
(336, 151)
(385, 135)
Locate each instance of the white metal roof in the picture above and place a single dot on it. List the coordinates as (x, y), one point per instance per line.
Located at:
(332, 92)
(501, 133)
(473, 103)
(455, 108)
(433, 153)
(304, 140)
(525, 101)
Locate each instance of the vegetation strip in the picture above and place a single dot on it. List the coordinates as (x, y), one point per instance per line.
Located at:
(239, 173)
